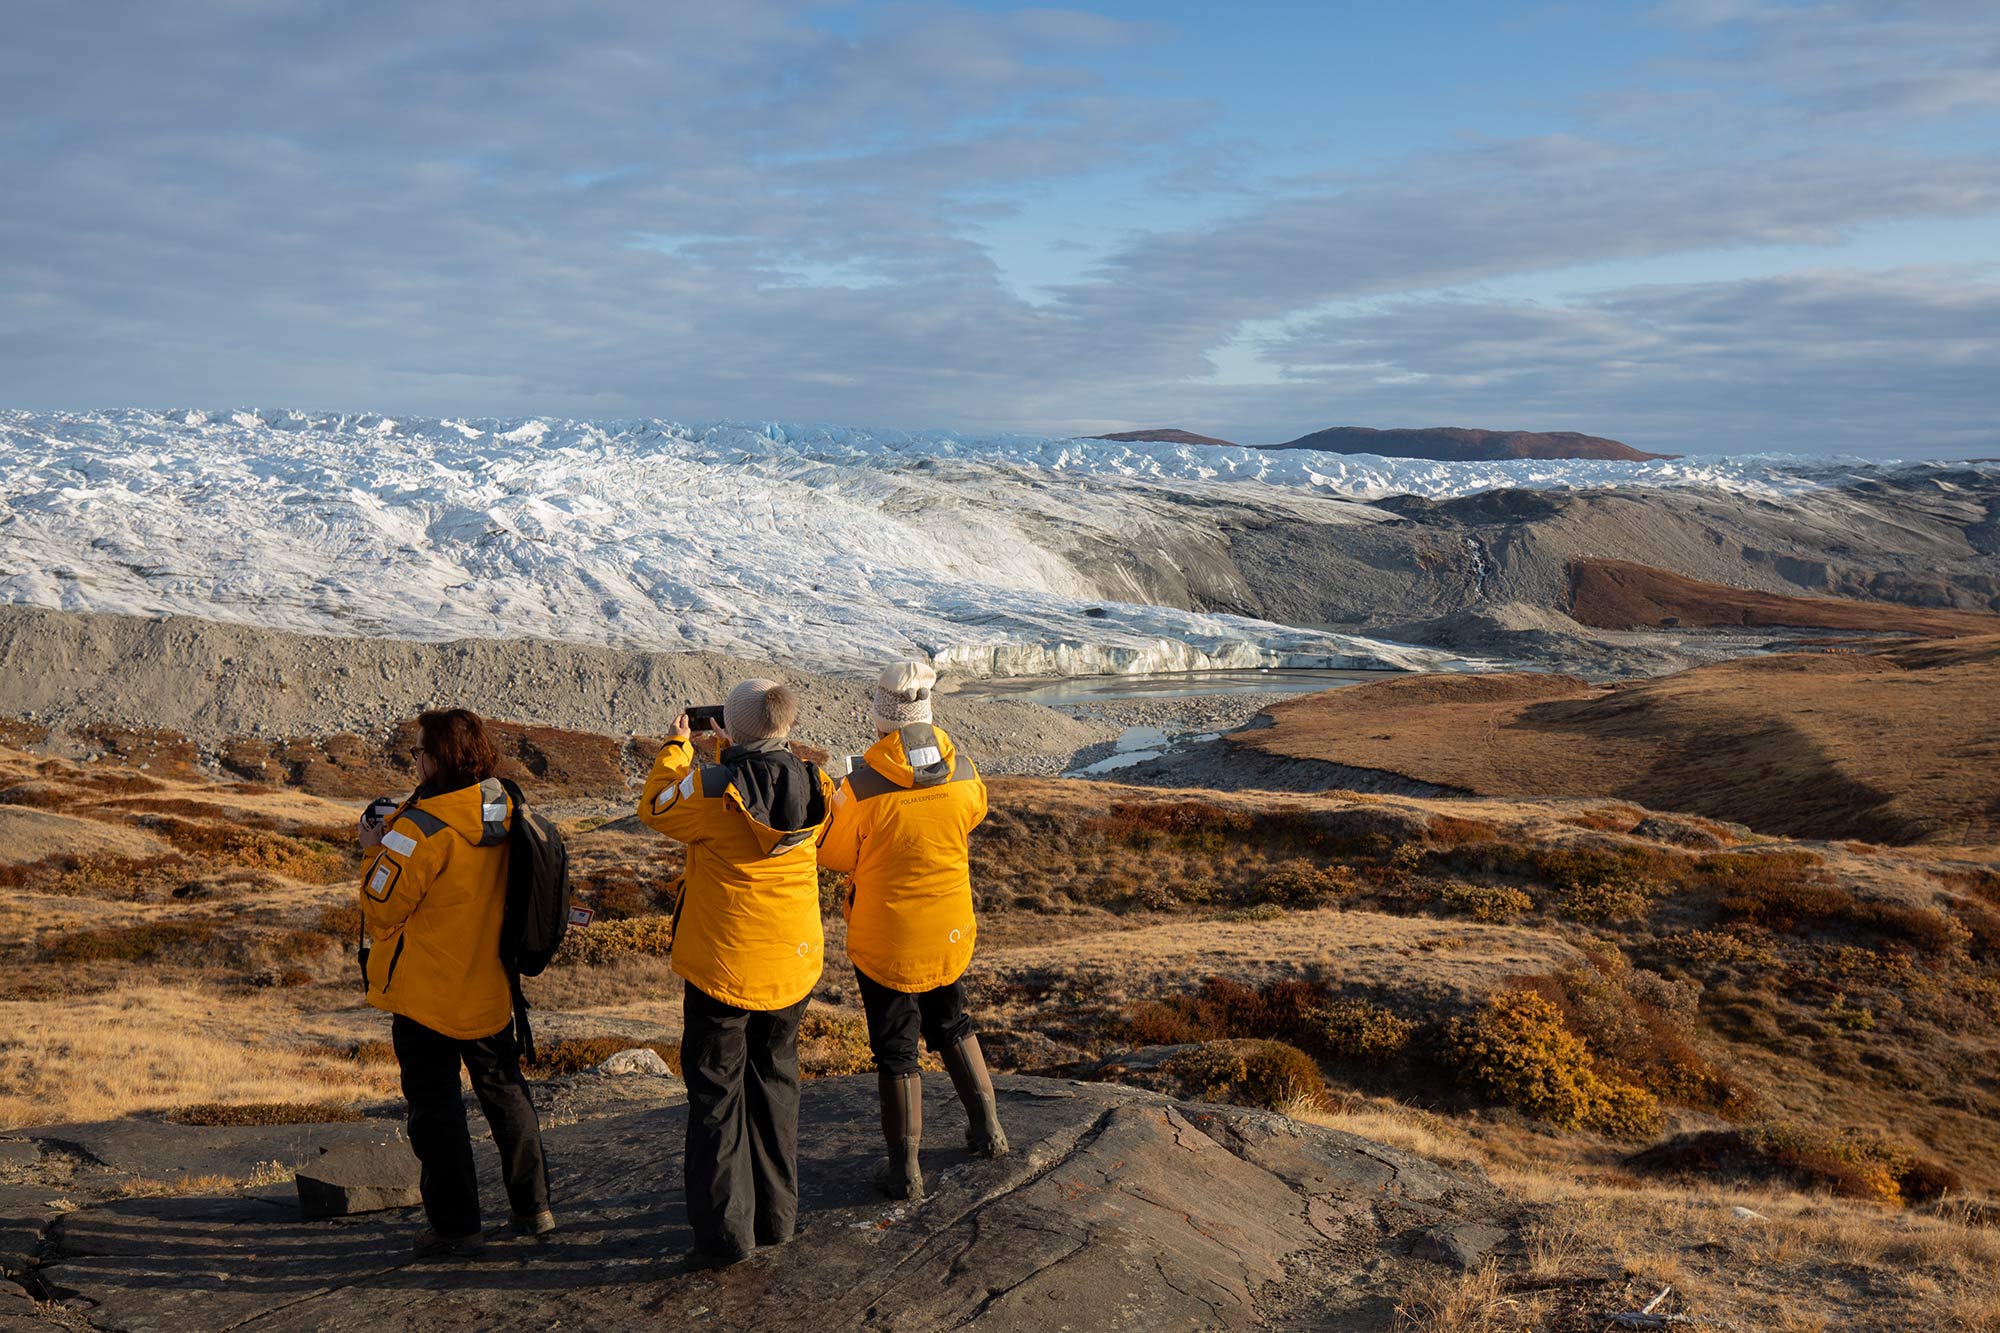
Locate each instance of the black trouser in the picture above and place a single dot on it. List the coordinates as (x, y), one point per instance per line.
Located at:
(438, 1132)
(742, 1163)
(896, 1017)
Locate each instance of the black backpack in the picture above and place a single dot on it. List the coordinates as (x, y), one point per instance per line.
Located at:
(537, 913)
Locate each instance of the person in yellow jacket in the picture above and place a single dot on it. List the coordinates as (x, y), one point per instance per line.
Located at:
(748, 945)
(900, 823)
(433, 889)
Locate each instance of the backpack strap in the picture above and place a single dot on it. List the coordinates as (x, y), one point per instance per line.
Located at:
(524, 1031)
(493, 797)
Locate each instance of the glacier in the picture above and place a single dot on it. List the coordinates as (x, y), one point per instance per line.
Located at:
(828, 547)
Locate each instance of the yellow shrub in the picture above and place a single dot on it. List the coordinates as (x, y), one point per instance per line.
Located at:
(1517, 1051)
(1486, 902)
(1357, 1030)
(1269, 1074)
(602, 941)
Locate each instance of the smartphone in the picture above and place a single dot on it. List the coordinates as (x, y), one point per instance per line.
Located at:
(701, 716)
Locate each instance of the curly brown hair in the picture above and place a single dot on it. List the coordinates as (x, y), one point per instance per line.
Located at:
(457, 742)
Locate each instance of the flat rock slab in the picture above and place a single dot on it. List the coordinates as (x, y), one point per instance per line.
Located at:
(359, 1178)
(1118, 1209)
(155, 1149)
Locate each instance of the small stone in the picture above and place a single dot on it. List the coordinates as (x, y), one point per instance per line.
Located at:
(637, 1060)
(1742, 1214)
(1460, 1244)
(360, 1178)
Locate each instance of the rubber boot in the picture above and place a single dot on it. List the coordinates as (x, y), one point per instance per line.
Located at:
(901, 1177)
(967, 1066)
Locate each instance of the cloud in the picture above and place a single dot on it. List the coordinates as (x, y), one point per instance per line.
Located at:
(1887, 364)
(773, 208)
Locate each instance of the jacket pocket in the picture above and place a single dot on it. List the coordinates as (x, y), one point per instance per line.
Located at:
(389, 977)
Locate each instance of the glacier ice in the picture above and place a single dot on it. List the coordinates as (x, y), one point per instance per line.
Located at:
(827, 546)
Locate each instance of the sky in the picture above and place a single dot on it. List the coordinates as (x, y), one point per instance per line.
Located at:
(1696, 226)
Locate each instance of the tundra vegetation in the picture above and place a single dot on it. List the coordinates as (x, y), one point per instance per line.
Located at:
(1642, 1024)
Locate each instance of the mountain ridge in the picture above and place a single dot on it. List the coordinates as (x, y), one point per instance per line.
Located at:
(1460, 444)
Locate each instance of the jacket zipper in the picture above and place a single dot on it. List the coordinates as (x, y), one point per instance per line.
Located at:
(389, 978)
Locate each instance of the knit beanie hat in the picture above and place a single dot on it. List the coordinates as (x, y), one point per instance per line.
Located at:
(903, 695)
(759, 710)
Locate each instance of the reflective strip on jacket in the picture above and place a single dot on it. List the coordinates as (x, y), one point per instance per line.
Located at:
(432, 896)
(901, 827)
(747, 927)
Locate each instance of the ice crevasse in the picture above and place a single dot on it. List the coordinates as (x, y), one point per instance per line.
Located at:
(831, 547)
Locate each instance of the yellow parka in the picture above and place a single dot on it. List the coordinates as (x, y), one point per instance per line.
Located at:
(431, 900)
(746, 928)
(900, 823)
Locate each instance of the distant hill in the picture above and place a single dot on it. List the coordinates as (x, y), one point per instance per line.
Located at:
(1618, 594)
(1895, 746)
(1164, 435)
(1453, 444)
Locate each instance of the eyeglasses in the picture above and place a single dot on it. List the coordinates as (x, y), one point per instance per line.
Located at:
(416, 752)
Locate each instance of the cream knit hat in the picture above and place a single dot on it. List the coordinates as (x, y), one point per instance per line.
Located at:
(903, 695)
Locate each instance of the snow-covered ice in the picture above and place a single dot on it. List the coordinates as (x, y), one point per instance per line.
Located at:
(825, 546)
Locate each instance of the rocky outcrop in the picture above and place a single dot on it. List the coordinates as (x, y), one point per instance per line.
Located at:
(1454, 444)
(1164, 435)
(1119, 1209)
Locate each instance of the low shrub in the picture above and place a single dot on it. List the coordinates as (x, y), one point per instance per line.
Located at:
(361, 1052)
(1639, 1028)
(1710, 947)
(306, 859)
(1607, 818)
(1301, 882)
(572, 1055)
(125, 944)
(1267, 1074)
(341, 920)
(833, 886)
(263, 1113)
(1924, 928)
(1486, 902)
(602, 941)
(1516, 1050)
(834, 1044)
(1617, 898)
(1853, 1164)
(1358, 1030)
(1455, 831)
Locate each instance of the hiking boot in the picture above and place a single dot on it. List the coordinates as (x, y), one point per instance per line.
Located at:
(967, 1066)
(430, 1245)
(700, 1257)
(902, 1176)
(532, 1224)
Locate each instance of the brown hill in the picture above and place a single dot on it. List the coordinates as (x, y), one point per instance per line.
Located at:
(1164, 435)
(1617, 594)
(1899, 746)
(1455, 444)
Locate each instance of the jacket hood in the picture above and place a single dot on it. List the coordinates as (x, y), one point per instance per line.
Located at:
(920, 755)
(482, 814)
(783, 799)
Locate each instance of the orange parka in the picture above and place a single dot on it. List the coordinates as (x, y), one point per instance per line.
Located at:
(900, 823)
(431, 900)
(747, 927)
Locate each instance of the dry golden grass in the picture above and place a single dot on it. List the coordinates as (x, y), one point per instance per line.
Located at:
(1449, 962)
(147, 1047)
(1597, 1242)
